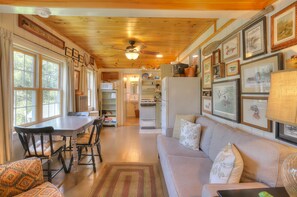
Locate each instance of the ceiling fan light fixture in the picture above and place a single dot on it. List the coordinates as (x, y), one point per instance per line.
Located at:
(159, 55)
(132, 54)
(43, 12)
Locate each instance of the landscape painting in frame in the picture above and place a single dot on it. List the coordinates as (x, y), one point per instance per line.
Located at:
(232, 68)
(231, 48)
(286, 133)
(254, 39)
(255, 76)
(206, 104)
(283, 28)
(254, 112)
(207, 74)
(225, 100)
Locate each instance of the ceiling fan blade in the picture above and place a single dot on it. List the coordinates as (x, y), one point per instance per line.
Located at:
(149, 52)
(118, 49)
(140, 47)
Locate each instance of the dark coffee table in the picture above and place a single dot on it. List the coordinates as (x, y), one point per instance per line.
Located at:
(274, 191)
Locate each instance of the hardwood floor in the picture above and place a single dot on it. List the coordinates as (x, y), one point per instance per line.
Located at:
(121, 144)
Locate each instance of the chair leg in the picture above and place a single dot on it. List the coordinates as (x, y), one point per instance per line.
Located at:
(99, 152)
(63, 163)
(93, 159)
(70, 164)
(49, 171)
(79, 153)
(64, 139)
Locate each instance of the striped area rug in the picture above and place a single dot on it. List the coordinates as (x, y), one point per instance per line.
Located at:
(128, 180)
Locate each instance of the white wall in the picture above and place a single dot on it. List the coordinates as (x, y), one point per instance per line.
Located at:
(287, 53)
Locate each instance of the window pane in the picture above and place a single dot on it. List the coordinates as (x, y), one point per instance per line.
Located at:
(51, 103)
(29, 79)
(23, 70)
(18, 78)
(50, 74)
(29, 63)
(18, 59)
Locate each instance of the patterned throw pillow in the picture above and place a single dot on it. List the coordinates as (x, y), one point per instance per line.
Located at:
(189, 134)
(176, 128)
(227, 167)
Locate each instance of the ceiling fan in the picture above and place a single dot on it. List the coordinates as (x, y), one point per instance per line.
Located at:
(132, 52)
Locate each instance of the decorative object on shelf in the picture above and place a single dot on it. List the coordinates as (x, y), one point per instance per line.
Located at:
(286, 133)
(291, 63)
(75, 53)
(284, 28)
(194, 60)
(39, 31)
(232, 68)
(145, 76)
(231, 48)
(207, 73)
(76, 79)
(216, 57)
(225, 99)
(255, 75)
(218, 71)
(75, 63)
(190, 71)
(81, 58)
(206, 104)
(92, 61)
(253, 110)
(68, 52)
(86, 59)
(255, 39)
(282, 107)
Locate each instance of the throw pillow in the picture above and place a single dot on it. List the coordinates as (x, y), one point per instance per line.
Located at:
(227, 167)
(176, 128)
(189, 134)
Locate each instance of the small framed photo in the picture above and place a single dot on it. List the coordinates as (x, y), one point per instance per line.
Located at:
(75, 63)
(216, 57)
(206, 104)
(286, 133)
(81, 58)
(218, 71)
(207, 73)
(75, 53)
(231, 48)
(92, 61)
(253, 112)
(206, 93)
(225, 99)
(232, 68)
(255, 75)
(284, 28)
(254, 39)
(68, 52)
(76, 79)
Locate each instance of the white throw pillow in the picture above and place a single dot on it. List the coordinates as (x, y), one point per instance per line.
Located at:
(227, 167)
(176, 128)
(189, 134)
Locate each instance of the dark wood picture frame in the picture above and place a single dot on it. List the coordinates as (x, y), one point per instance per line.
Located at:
(227, 48)
(81, 58)
(236, 117)
(256, 113)
(68, 52)
(278, 45)
(218, 71)
(216, 57)
(250, 41)
(280, 133)
(230, 64)
(92, 60)
(75, 53)
(75, 63)
(208, 72)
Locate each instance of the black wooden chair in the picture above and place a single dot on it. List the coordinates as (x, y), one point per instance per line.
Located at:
(90, 140)
(38, 142)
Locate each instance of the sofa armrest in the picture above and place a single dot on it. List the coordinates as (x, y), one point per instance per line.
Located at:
(169, 132)
(20, 176)
(210, 190)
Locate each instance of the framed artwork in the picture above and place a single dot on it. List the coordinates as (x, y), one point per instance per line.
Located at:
(218, 71)
(225, 99)
(92, 60)
(206, 93)
(75, 63)
(68, 52)
(286, 133)
(216, 57)
(232, 68)
(255, 75)
(76, 79)
(75, 53)
(231, 48)
(194, 60)
(284, 28)
(253, 112)
(207, 73)
(206, 104)
(81, 58)
(255, 39)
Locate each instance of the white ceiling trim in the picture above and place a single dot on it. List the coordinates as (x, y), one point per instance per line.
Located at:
(238, 14)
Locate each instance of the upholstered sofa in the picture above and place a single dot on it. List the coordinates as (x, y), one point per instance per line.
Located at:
(25, 178)
(186, 172)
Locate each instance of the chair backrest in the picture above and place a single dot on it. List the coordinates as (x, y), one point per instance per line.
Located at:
(96, 130)
(34, 140)
(84, 113)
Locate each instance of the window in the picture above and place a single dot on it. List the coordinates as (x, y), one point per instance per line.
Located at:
(90, 87)
(37, 90)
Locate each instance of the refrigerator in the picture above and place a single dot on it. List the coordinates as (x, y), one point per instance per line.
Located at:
(180, 95)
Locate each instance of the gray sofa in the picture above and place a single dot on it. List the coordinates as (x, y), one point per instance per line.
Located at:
(186, 172)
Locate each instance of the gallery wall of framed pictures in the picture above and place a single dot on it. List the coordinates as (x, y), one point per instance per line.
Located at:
(237, 83)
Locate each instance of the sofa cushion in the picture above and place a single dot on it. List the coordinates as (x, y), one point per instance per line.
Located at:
(189, 174)
(171, 146)
(45, 189)
(176, 128)
(189, 134)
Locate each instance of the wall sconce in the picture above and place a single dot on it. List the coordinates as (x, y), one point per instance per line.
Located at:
(125, 82)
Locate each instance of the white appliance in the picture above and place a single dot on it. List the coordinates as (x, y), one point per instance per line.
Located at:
(147, 113)
(180, 95)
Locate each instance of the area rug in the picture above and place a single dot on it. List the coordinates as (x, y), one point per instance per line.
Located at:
(128, 180)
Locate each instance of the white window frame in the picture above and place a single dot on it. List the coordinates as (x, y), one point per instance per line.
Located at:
(90, 85)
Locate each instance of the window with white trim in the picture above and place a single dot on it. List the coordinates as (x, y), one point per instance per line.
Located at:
(90, 82)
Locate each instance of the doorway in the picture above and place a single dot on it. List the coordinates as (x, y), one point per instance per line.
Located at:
(131, 86)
